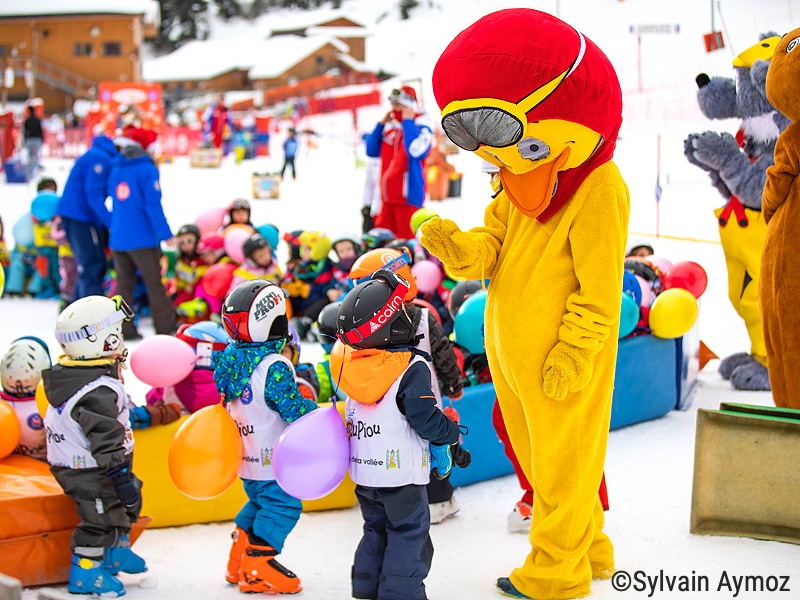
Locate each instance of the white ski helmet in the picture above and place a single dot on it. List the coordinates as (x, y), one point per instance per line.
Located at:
(92, 327)
(255, 311)
(22, 365)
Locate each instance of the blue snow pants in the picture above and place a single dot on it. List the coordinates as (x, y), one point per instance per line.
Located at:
(395, 553)
(270, 513)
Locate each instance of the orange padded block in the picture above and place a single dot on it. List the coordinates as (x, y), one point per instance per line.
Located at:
(37, 523)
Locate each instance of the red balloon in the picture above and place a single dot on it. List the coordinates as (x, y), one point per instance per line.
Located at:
(217, 279)
(687, 275)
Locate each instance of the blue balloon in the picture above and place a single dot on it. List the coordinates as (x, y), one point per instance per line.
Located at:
(629, 315)
(468, 324)
(23, 230)
(43, 206)
(630, 285)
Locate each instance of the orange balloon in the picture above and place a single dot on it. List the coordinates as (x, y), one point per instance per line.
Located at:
(9, 429)
(339, 352)
(41, 399)
(206, 453)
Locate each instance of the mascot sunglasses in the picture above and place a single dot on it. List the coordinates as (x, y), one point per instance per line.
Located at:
(478, 122)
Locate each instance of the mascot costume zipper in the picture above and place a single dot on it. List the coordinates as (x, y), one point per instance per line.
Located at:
(533, 96)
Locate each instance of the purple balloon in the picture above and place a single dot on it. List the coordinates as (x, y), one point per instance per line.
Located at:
(312, 454)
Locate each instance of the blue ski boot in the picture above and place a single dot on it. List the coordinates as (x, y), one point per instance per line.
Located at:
(122, 558)
(87, 576)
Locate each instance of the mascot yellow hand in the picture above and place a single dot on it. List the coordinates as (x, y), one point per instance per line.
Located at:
(566, 369)
(455, 248)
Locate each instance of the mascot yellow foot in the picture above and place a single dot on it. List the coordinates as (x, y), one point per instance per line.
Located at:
(533, 96)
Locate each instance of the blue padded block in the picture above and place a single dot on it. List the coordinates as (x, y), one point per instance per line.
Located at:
(645, 382)
(15, 171)
(488, 459)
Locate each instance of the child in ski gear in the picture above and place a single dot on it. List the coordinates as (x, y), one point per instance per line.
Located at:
(440, 357)
(189, 266)
(43, 211)
(258, 262)
(388, 386)
(259, 389)
(90, 442)
(326, 332)
(21, 371)
(347, 248)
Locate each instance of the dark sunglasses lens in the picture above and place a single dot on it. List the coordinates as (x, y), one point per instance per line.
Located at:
(469, 129)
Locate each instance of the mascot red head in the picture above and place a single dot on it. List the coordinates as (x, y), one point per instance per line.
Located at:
(532, 95)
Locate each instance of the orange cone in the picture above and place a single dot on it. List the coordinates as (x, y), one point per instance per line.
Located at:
(705, 354)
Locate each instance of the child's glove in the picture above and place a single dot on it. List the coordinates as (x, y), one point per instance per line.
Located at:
(455, 248)
(162, 413)
(566, 369)
(297, 288)
(123, 480)
(367, 220)
(461, 456)
(441, 461)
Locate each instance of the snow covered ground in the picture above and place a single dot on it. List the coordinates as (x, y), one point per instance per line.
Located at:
(649, 466)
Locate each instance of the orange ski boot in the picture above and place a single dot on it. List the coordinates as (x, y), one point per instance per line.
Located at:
(261, 573)
(235, 559)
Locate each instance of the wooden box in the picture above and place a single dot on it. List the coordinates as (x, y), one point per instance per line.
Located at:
(746, 479)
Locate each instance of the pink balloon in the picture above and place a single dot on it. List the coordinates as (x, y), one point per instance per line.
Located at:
(647, 293)
(427, 275)
(312, 454)
(210, 221)
(661, 263)
(234, 243)
(162, 360)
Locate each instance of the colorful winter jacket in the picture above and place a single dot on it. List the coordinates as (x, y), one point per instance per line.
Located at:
(402, 150)
(84, 196)
(137, 217)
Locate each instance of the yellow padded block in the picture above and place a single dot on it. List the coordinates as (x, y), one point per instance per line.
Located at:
(168, 507)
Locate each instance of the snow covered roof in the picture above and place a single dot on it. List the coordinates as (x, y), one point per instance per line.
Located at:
(149, 8)
(285, 51)
(263, 59)
(200, 60)
(357, 65)
(305, 19)
(338, 31)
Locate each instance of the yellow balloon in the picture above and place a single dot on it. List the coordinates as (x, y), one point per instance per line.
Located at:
(41, 399)
(206, 453)
(673, 313)
(9, 429)
(2, 280)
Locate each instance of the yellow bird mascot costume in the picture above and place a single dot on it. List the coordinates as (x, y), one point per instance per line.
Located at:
(530, 94)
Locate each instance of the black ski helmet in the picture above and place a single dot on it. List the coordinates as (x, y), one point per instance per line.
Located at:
(253, 243)
(189, 229)
(460, 292)
(327, 323)
(373, 315)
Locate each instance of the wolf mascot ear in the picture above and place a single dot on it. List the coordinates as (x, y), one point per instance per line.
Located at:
(537, 99)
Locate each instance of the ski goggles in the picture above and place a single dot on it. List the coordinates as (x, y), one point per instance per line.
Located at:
(478, 122)
(123, 313)
(382, 316)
